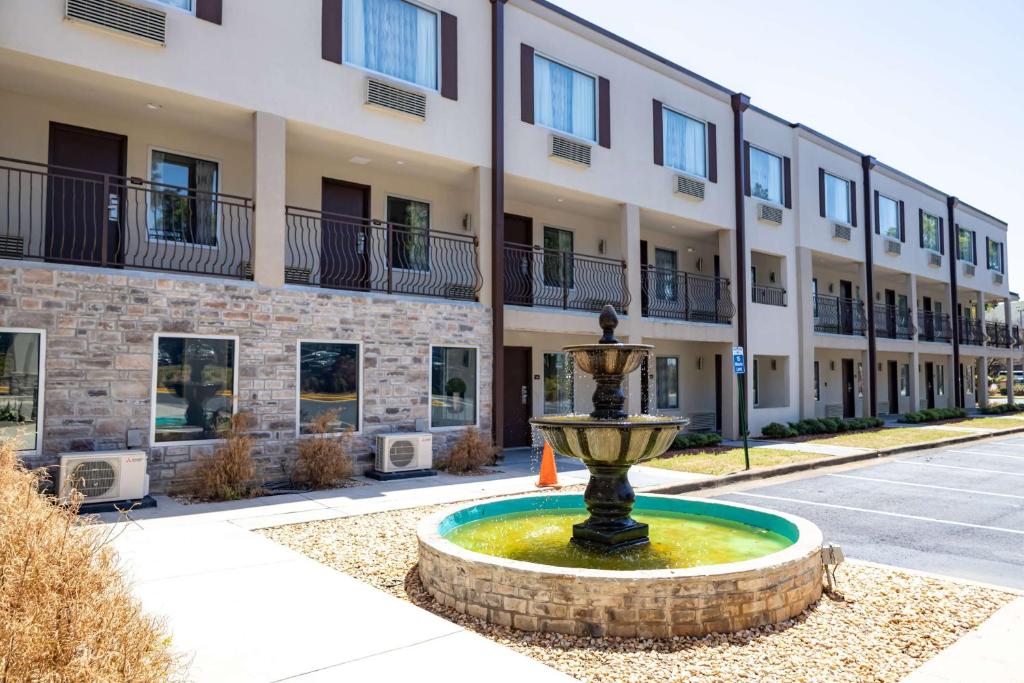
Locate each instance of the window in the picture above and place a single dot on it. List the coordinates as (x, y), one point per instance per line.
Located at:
(564, 99)
(329, 382)
(837, 198)
(930, 232)
(995, 255)
(21, 388)
(665, 264)
(685, 143)
(186, 5)
(558, 264)
(666, 370)
(183, 204)
(965, 245)
(195, 388)
(817, 381)
(392, 37)
(558, 384)
(940, 379)
(410, 233)
(904, 382)
(452, 386)
(765, 176)
(888, 217)
(757, 398)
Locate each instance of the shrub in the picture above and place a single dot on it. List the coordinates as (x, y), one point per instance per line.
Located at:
(932, 415)
(1002, 408)
(228, 473)
(66, 611)
(471, 451)
(323, 460)
(777, 430)
(696, 440)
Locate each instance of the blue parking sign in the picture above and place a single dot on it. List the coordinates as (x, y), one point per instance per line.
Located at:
(739, 364)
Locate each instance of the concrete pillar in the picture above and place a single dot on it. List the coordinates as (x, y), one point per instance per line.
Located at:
(867, 375)
(629, 235)
(1008, 317)
(633, 386)
(981, 382)
(912, 302)
(915, 381)
(269, 156)
(730, 388)
(802, 299)
(481, 217)
(730, 393)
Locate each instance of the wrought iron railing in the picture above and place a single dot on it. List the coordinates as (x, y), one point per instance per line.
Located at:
(769, 295)
(678, 295)
(563, 279)
(835, 315)
(346, 252)
(893, 322)
(972, 330)
(934, 327)
(999, 334)
(69, 215)
(1016, 337)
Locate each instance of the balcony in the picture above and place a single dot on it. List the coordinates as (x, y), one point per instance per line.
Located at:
(893, 322)
(335, 251)
(68, 215)
(835, 315)
(972, 331)
(768, 295)
(1000, 334)
(934, 327)
(563, 279)
(678, 295)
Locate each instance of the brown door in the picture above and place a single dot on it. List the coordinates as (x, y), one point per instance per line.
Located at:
(86, 195)
(929, 320)
(345, 235)
(517, 394)
(929, 384)
(518, 260)
(849, 393)
(894, 388)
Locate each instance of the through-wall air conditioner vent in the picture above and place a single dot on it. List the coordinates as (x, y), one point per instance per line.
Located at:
(834, 410)
(12, 246)
(893, 247)
(403, 451)
(127, 18)
(883, 408)
(393, 98)
(105, 476)
(841, 232)
(969, 269)
(296, 276)
(997, 278)
(769, 214)
(689, 187)
(934, 260)
(570, 150)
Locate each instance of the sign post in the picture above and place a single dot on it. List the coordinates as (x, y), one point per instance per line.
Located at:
(739, 366)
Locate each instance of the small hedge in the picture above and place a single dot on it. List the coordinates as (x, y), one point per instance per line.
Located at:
(932, 415)
(825, 425)
(1003, 408)
(696, 440)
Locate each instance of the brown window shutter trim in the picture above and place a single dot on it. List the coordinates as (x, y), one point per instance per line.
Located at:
(746, 162)
(449, 56)
(974, 247)
(920, 225)
(209, 10)
(330, 27)
(712, 152)
(604, 112)
(787, 182)
(942, 237)
(853, 204)
(821, 192)
(903, 222)
(878, 228)
(526, 82)
(659, 134)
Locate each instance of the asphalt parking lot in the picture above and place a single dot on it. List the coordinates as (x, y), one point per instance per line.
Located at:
(957, 511)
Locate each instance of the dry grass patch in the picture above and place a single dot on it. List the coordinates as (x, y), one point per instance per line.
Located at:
(992, 422)
(228, 473)
(470, 453)
(730, 460)
(323, 460)
(887, 438)
(887, 624)
(66, 612)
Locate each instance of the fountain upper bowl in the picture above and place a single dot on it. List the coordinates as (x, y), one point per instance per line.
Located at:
(608, 359)
(611, 443)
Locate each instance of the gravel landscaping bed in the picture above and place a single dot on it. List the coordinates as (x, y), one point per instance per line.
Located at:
(881, 624)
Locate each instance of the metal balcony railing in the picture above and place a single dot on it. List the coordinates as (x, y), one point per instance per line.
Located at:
(835, 315)
(69, 215)
(768, 295)
(679, 295)
(999, 334)
(893, 322)
(563, 279)
(1015, 337)
(367, 255)
(972, 331)
(934, 327)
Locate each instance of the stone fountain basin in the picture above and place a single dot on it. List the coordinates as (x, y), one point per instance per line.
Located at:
(659, 603)
(610, 442)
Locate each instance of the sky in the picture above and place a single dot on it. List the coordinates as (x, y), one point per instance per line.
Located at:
(935, 89)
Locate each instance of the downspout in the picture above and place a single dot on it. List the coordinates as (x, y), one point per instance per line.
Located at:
(958, 388)
(740, 102)
(498, 222)
(867, 163)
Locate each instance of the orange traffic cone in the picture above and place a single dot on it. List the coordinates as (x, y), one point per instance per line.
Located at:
(548, 474)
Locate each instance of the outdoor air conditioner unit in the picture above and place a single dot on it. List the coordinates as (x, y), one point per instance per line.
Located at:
(136, 20)
(769, 214)
(841, 232)
(969, 269)
(403, 451)
(934, 260)
(893, 247)
(688, 187)
(104, 476)
(568, 150)
(997, 278)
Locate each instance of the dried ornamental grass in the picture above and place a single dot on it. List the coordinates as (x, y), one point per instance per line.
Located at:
(471, 451)
(323, 460)
(228, 473)
(66, 612)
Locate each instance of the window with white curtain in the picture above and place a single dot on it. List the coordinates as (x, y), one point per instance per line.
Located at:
(888, 217)
(392, 37)
(765, 175)
(564, 99)
(837, 198)
(685, 143)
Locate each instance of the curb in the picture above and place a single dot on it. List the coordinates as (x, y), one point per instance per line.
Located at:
(822, 463)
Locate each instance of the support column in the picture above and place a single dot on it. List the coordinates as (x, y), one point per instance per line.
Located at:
(865, 380)
(269, 154)
(805, 331)
(730, 390)
(1008, 317)
(981, 382)
(481, 217)
(915, 381)
(912, 304)
(629, 236)
(633, 385)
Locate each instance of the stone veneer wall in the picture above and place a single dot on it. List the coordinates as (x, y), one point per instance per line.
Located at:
(101, 324)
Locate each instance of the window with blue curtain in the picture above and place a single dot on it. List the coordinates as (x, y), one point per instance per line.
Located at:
(392, 37)
(685, 143)
(564, 99)
(765, 175)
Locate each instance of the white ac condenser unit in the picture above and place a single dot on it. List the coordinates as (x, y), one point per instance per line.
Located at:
(104, 476)
(403, 452)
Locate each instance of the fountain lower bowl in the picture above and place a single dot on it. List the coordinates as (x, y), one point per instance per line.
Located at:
(633, 600)
(610, 442)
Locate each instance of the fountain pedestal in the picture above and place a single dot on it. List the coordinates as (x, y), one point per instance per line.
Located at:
(609, 499)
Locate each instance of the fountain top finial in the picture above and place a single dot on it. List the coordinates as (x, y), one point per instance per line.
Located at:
(608, 321)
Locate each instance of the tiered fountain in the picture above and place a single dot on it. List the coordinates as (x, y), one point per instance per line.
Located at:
(608, 562)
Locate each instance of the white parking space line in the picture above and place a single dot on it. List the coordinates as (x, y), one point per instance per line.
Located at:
(948, 522)
(955, 467)
(994, 455)
(926, 486)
